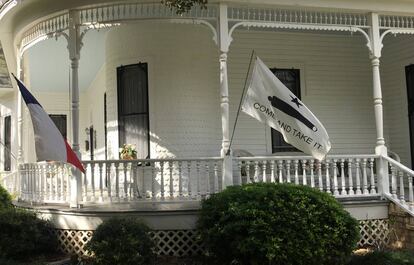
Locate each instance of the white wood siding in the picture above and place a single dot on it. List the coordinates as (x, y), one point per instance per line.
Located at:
(337, 86)
(183, 86)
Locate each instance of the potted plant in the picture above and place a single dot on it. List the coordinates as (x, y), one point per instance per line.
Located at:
(128, 152)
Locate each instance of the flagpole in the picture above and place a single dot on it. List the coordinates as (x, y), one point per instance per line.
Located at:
(241, 101)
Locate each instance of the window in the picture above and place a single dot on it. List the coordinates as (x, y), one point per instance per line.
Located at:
(7, 143)
(60, 122)
(291, 79)
(133, 113)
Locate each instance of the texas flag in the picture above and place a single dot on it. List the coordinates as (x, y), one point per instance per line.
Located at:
(49, 142)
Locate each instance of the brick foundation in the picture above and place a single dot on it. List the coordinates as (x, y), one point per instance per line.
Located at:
(401, 228)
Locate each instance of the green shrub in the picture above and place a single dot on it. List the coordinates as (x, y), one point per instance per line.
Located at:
(276, 224)
(383, 258)
(122, 241)
(5, 199)
(24, 236)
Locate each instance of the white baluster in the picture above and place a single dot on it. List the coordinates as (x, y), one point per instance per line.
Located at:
(320, 180)
(170, 166)
(312, 173)
(402, 193)
(56, 180)
(343, 186)
(207, 178)
(198, 178)
(256, 171)
(358, 179)
(125, 170)
(264, 177)
(162, 179)
(108, 176)
(153, 180)
(44, 184)
(296, 167)
(304, 178)
(364, 176)
(371, 166)
(117, 197)
(393, 182)
(239, 171)
(134, 189)
(335, 177)
(93, 181)
(85, 185)
(288, 171)
(62, 182)
(350, 180)
(189, 179)
(280, 167)
(272, 171)
(328, 180)
(50, 174)
(216, 178)
(100, 165)
(248, 180)
(180, 179)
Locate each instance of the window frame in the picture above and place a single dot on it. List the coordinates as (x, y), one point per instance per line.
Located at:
(303, 92)
(119, 102)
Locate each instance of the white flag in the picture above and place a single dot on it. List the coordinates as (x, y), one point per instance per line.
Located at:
(271, 102)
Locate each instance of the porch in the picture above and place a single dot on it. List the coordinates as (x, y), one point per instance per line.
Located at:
(188, 160)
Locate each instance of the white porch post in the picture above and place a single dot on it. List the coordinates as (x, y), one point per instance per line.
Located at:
(380, 148)
(224, 42)
(74, 46)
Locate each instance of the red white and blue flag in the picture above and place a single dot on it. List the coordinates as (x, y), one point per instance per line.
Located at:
(49, 142)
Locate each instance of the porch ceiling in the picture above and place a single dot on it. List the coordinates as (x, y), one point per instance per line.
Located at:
(49, 62)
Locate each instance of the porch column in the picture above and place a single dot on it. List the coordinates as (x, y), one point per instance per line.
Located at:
(380, 148)
(74, 46)
(224, 97)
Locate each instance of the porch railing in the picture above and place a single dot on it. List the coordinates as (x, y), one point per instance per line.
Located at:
(123, 180)
(129, 180)
(401, 191)
(45, 182)
(340, 175)
(112, 181)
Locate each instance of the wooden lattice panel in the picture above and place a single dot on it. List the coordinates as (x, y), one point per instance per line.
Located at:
(73, 241)
(179, 243)
(184, 243)
(374, 232)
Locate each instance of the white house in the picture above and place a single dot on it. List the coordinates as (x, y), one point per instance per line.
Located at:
(114, 72)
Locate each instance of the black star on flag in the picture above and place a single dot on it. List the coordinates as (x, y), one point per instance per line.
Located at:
(296, 101)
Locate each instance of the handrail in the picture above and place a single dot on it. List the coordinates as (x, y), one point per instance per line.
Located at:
(258, 158)
(399, 165)
(152, 160)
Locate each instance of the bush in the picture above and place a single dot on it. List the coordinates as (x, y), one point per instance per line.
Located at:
(276, 224)
(383, 258)
(24, 236)
(122, 241)
(5, 199)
